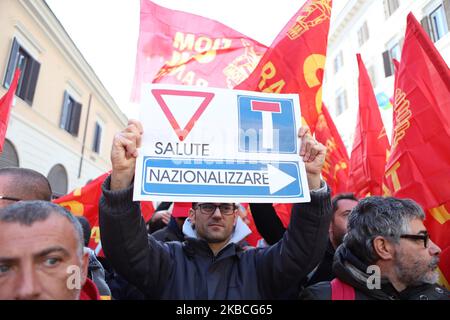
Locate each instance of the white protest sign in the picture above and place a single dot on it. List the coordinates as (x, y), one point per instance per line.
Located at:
(219, 145)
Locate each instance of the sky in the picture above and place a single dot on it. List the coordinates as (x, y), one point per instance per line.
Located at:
(106, 31)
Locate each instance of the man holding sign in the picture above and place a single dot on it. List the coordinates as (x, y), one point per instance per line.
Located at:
(209, 264)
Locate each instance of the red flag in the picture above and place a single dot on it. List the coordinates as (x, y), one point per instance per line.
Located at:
(295, 61)
(419, 164)
(283, 211)
(84, 201)
(5, 108)
(335, 169)
(396, 66)
(370, 145)
(147, 209)
(183, 48)
(247, 217)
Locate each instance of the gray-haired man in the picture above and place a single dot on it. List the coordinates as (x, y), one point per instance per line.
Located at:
(386, 255)
(41, 252)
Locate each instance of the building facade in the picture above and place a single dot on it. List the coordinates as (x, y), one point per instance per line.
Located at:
(376, 30)
(63, 120)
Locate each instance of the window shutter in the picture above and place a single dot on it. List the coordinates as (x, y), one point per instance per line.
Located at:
(345, 100)
(446, 4)
(64, 111)
(386, 9)
(426, 25)
(94, 143)
(12, 64)
(387, 64)
(75, 119)
(366, 31)
(32, 82)
(395, 5)
(360, 40)
(98, 137)
(338, 106)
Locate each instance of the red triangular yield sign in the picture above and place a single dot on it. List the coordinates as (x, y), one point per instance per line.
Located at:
(182, 133)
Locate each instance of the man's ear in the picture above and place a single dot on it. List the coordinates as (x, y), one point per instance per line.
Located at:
(330, 229)
(236, 216)
(384, 248)
(84, 266)
(192, 216)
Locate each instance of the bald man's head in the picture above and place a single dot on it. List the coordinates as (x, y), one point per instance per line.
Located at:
(23, 184)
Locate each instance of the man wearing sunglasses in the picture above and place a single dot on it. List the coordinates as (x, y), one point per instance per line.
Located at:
(22, 184)
(210, 264)
(387, 254)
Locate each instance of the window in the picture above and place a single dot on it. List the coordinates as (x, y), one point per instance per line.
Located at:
(341, 102)
(57, 177)
(372, 75)
(389, 7)
(338, 61)
(394, 52)
(363, 34)
(70, 115)
(9, 156)
(20, 58)
(436, 23)
(97, 138)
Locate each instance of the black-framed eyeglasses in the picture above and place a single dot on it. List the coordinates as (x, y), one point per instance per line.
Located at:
(9, 198)
(209, 208)
(425, 237)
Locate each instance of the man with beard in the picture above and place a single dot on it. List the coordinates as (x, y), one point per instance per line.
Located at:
(386, 255)
(342, 204)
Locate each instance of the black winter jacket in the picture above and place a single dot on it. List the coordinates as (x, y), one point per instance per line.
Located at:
(189, 270)
(349, 269)
(171, 232)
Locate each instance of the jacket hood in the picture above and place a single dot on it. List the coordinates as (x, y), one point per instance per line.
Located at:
(350, 269)
(174, 227)
(89, 291)
(241, 230)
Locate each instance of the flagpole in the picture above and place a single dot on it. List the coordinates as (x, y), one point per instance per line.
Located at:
(84, 136)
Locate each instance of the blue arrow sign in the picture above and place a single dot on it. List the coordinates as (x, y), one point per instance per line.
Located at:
(194, 179)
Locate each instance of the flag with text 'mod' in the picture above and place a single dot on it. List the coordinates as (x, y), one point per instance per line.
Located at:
(177, 47)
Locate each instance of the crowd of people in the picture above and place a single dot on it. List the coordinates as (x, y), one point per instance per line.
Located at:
(339, 248)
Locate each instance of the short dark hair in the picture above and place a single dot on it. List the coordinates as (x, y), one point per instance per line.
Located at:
(339, 197)
(85, 225)
(28, 212)
(28, 184)
(377, 216)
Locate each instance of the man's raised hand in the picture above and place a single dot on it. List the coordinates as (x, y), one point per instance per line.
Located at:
(124, 153)
(313, 154)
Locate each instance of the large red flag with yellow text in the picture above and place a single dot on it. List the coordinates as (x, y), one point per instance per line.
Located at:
(335, 169)
(295, 61)
(370, 145)
(419, 164)
(5, 107)
(84, 201)
(183, 48)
